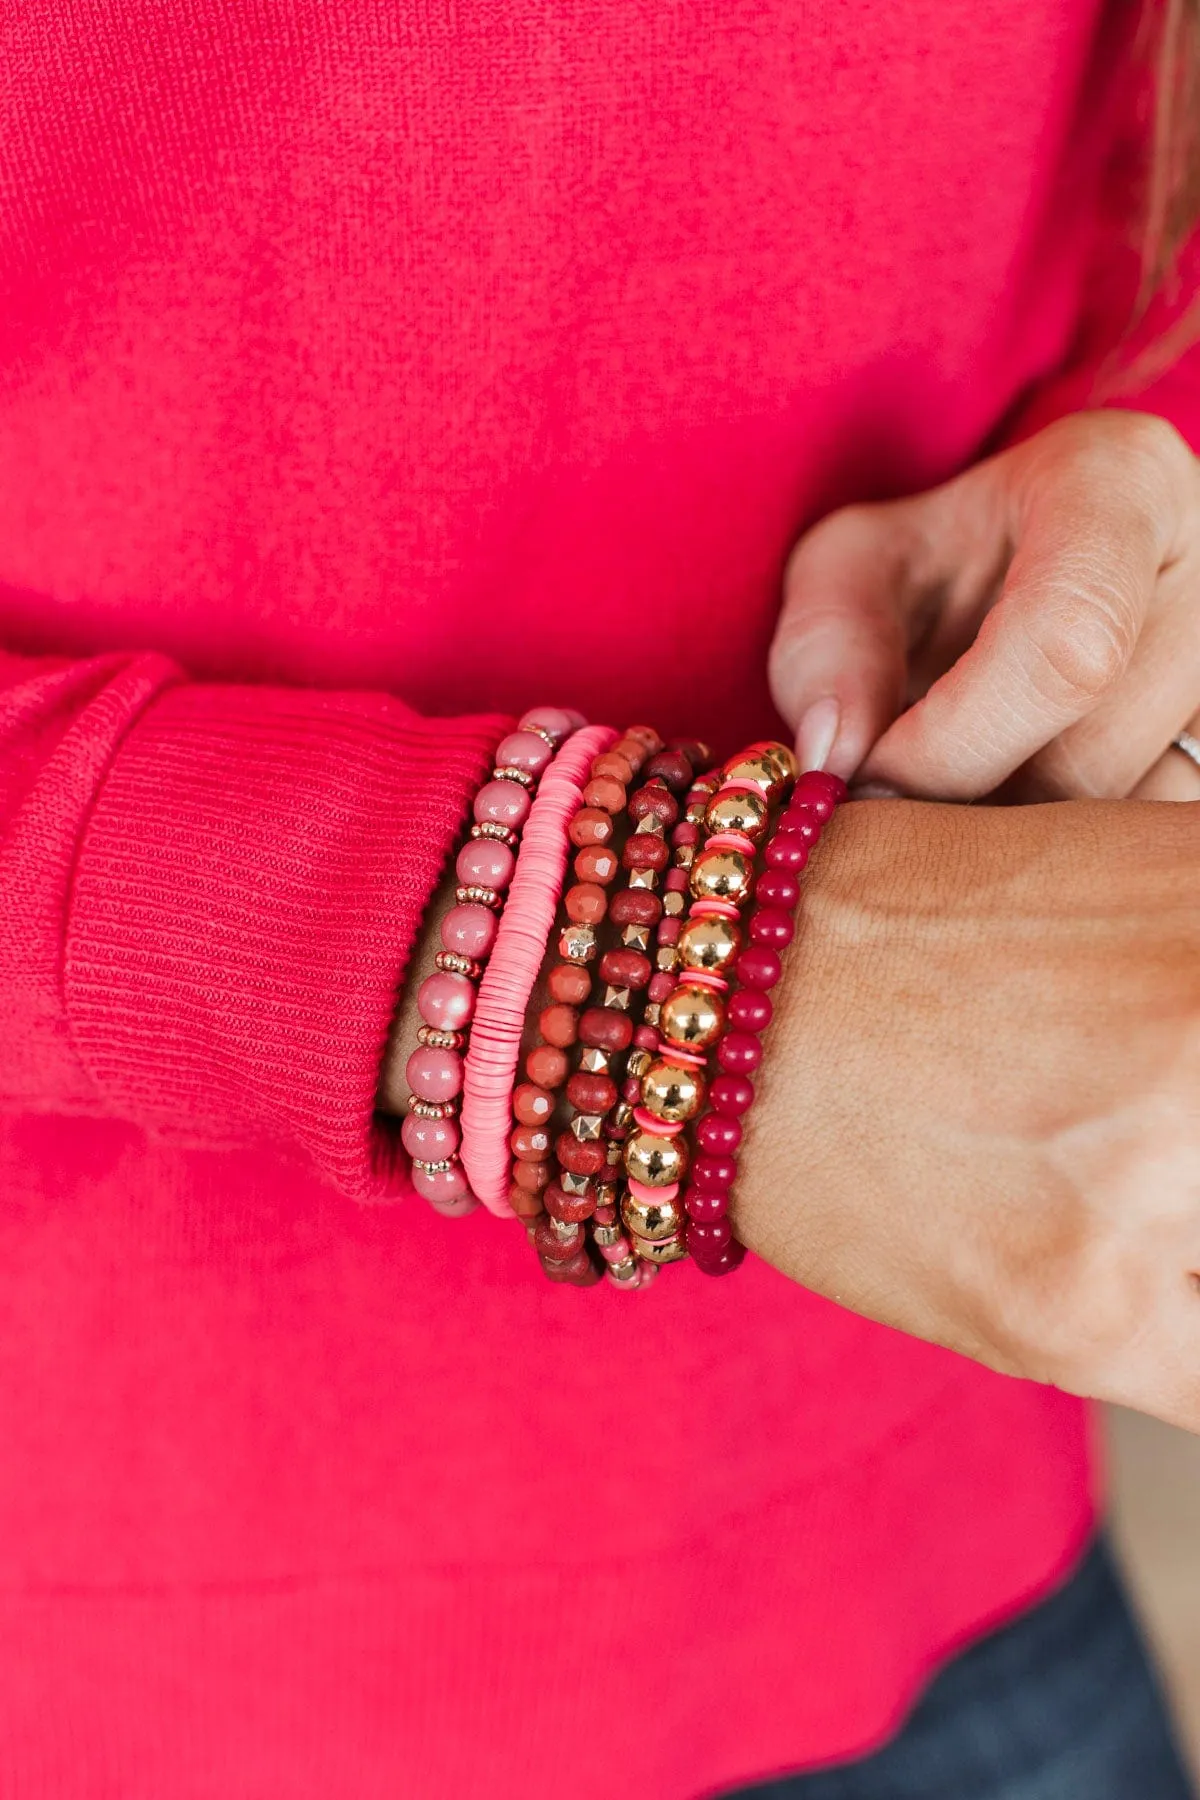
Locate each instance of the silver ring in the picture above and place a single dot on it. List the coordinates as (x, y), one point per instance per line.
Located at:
(1189, 745)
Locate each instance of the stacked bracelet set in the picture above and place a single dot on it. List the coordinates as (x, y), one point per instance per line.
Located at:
(614, 1137)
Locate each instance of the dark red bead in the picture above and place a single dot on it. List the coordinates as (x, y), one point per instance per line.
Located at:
(676, 881)
(738, 1053)
(635, 906)
(758, 966)
(786, 851)
(698, 753)
(578, 1272)
(684, 834)
(569, 1207)
(672, 767)
(579, 1158)
(820, 784)
(717, 1173)
(592, 1093)
(718, 1135)
(705, 1205)
(604, 1028)
(645, 851)
(548, 1243)
(707, 1238)
(631, 1090)
(731, 1258)
(669, 930)
(661, 985)
(625, 968)
(802, 822)
(605, 1215)
(770, 925)
(654, 802)
(775, 887)
(732, 1095)
(645, 1037)
(748, 1010)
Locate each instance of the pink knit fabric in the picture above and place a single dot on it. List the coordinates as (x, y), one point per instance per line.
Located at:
(513, 968)
(361, 362)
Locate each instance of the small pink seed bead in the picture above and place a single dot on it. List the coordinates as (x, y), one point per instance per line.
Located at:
(469, 930)
(615, 1253)
(446, 1001)
(501, 803)
(434, 1074)
(523, 750)
(555, 720)
(439, 1185)
(430, 1140)
(484, 863)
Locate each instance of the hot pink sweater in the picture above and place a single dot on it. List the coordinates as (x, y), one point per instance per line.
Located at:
(369, 372)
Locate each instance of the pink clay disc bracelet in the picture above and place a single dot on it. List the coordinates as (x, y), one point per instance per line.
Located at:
(517, 955)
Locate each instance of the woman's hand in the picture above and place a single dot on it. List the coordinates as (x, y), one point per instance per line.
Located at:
(979, 1112)
(1041, 610)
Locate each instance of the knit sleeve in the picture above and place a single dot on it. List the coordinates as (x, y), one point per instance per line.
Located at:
(211, 893)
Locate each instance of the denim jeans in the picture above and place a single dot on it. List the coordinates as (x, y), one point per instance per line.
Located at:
(1061, 1705)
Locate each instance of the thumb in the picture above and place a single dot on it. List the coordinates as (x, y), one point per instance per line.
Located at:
(837, 665)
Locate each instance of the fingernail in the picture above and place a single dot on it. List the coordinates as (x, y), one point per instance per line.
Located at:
(817, 732)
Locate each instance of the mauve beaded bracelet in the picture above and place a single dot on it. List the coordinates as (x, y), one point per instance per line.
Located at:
(757, 968)
(446, 1000)
(517, 955)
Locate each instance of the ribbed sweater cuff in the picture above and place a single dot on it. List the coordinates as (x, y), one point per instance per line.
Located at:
(248, 891)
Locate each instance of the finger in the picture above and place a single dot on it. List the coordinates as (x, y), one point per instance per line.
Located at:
(837, 665)
(1108, 753)
(1058, 640)
(1176, 775)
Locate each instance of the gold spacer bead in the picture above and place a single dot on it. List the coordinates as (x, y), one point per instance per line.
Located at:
(637, 1062)
(622, 1115)
(672, 1092)
(722, 875)
(653, 1013)
(587, 1126)
(650, 1219)
(605, 1236)
(479, 896)
(433, 1039)
(674, 903)
(648, 826)
(613, 1155)
(685, 856)
(596, 1062)
(626, 1271)
(574, 1184)
(520, 776)
(617, 998)
(666, 958)
(692, 1016)
(577, 943)
(643, 878)
(606, 1193)
(636, 937)
(709, 943)
(501, 834)
(546, 736)
(433, 1168)
(742, 811)
(431, 1109)
(655, 1161)
(451, 963)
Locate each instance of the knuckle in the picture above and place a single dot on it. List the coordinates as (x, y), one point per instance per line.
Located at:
(1082, 641)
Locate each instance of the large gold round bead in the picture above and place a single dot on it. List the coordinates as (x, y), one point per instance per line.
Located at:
(672, 1092)
(662, 1250)
(722, 875)
(783, 758)
(738, 809)
(709, 943)
(692, 1016)
(651, 1220)
(766, 774)
(655, 1161)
